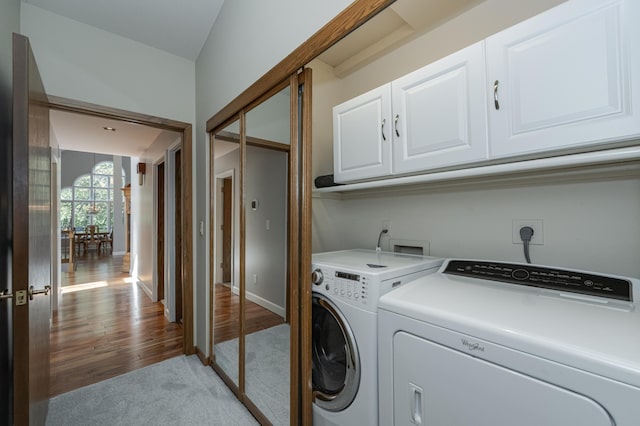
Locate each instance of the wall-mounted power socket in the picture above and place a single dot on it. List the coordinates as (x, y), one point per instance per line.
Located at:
(386, 224)
(538, 231)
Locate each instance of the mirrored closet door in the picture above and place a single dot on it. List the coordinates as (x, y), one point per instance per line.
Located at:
(225, 270)
(267, 333)
(259, 297)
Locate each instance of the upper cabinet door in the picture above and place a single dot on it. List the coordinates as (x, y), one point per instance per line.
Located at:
(567, 78)
(362, 136)
(439, 113)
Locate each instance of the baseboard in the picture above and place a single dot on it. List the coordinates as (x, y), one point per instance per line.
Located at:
(203, 358)
(144, 287)
(278, 310)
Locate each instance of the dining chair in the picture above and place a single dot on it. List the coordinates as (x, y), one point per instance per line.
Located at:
(91, 239)
(107, 239)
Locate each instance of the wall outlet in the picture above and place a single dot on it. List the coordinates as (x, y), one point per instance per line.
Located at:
(255, 278)
(538, 231)
(386, 224)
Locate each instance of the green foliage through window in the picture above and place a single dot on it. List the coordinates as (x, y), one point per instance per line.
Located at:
(90, 200)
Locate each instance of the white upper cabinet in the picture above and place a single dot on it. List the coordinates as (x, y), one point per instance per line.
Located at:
(567, 78)
(438, 119)
(362, 136)
(439, 113)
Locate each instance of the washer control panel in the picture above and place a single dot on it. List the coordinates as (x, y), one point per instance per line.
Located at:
(542, 277)
(346, 285)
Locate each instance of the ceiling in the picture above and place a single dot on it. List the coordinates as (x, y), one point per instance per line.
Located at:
(77, 132)
(178, 27)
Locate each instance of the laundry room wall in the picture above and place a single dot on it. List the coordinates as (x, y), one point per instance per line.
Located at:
(266, 233)
(589, 222)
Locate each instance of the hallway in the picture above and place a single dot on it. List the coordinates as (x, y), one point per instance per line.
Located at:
(106, 326)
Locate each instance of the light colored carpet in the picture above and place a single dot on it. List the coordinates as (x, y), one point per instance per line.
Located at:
(178, 391)
(266, 369)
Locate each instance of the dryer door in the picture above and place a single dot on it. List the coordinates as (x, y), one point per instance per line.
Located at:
(336, 362)
(437, 385)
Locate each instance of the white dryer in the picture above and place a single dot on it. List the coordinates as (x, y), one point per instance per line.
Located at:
(347, 286)
(490, 343)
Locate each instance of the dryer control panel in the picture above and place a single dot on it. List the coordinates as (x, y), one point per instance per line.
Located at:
(550, 278)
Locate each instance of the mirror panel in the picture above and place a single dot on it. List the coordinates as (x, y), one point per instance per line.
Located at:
(267, 331)
(226, 270)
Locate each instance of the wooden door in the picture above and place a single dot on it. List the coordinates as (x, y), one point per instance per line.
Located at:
(227, 191)
(160, 230)
(441, 113)
(178, 231)
(31, 228)
(362, 136)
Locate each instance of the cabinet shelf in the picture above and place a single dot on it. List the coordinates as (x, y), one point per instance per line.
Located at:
(565, 165)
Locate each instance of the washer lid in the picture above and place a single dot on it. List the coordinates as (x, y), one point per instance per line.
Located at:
(600, 338)
(372, 262)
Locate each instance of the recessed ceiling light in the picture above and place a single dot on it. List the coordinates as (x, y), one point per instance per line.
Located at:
(113, 129)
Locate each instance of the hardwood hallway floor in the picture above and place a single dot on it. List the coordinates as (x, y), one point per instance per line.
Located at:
(106, 326)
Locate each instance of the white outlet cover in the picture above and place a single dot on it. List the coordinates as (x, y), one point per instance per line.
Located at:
(538, 231)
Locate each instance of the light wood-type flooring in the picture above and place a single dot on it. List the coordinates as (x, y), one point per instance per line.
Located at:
(106, 326)
(227, 316)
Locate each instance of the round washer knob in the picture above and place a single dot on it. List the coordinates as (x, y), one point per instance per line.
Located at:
(317, 277)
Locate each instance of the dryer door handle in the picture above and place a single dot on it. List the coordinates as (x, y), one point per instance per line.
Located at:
(415, 404)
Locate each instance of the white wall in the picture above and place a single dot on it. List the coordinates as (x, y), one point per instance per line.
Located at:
(248, 38)
(266, 246)
(85, 63)
(589, 223)
(143, 213)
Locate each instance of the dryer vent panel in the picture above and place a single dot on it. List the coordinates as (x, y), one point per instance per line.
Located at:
(416, 247)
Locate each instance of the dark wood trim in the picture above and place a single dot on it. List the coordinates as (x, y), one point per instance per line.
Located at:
(263, 143)
(294, 260)
(348, 20)
(243, 247)
(251, 141)
(187, 240)
(95, 110)
(80, 107)
(202, 357)
(226, 379)
(255, 412)
(212, 243)
(305, 251)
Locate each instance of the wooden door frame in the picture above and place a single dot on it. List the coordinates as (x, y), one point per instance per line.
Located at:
(185, 129)
(160, 235)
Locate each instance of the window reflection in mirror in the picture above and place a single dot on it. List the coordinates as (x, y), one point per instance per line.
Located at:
(225, 267)
(267, 331)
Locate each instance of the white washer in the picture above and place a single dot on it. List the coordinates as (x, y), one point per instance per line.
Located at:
(347, 286)
(490, 343)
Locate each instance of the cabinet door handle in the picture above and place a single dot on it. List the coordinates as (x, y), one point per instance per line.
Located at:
(495, 94)
(384, 120)
(396, 124)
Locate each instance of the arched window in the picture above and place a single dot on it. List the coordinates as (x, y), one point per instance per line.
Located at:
(90, 200)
